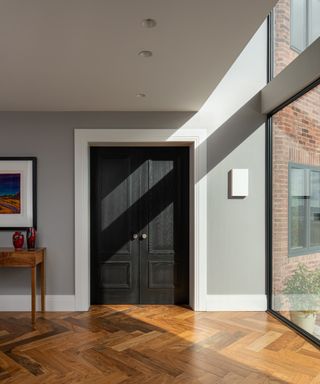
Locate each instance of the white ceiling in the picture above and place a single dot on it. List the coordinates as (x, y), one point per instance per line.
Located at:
(72, 55)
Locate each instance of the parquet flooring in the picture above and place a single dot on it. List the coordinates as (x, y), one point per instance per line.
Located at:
(153, 344)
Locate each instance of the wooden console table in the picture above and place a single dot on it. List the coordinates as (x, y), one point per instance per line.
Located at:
(24, 258)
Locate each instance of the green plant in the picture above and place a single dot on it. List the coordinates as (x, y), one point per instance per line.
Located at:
(303, 290)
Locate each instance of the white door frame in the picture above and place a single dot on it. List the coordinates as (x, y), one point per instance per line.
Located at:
(196, 139)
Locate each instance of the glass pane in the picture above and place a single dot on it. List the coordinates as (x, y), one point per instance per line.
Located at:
(315, 209)
(298, 182)
(298, 223)
(298, 24)
(298, 208)
(314, 20)
(296, 212)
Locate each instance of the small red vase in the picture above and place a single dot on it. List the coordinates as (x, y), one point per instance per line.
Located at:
(31, 238)
(18, 240)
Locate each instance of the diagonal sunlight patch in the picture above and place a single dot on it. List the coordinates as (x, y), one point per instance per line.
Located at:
(110, 212)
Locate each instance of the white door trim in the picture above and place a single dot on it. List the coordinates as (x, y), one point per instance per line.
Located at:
(196, 138)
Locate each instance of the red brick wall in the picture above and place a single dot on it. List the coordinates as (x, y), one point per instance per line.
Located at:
(296, 138)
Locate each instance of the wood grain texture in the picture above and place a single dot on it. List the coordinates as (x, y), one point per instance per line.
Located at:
(21, 258)
(27, 258)
(43, 283)
(33, 293)
(153, 344)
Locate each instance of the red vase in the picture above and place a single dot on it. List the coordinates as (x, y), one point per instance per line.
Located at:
(31, 238)
(18, 240)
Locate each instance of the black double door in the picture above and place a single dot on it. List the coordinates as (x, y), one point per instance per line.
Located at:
(139, 225)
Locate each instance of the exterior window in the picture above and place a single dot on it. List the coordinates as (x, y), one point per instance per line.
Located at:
(305, 23)
(294, 232)
(295, 25)
(304, 209)
(294, 176)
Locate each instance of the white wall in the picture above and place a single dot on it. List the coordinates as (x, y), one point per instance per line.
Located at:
(246, 77)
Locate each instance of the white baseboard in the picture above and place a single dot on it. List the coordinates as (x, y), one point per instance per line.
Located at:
(23, 303)
(236, 302)
(67, 303)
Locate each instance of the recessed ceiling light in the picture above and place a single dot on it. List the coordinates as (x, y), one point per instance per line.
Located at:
(141, 95)
(148, 23)
(145, 53)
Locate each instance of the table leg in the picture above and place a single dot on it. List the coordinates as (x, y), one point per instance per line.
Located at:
(33, 293)
(43, 286)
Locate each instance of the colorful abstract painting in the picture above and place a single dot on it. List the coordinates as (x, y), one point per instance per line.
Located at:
(10, 193)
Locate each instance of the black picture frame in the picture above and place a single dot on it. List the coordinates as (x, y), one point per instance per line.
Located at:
(33, 161)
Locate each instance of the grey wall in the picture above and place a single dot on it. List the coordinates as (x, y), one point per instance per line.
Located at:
(236, 139)
(236, 227)
(49, 136)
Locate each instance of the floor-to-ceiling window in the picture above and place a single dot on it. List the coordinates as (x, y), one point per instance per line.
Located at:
(295, 174)
(296, 211)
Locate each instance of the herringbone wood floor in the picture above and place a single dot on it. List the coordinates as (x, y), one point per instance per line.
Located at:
(153, 344)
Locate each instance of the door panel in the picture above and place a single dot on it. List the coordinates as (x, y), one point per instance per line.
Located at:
(161, 206)
(161, 231)
(142, 191)
(115, 204)
(161, 274)
(115, 274)
(114, 253)
(164, 254)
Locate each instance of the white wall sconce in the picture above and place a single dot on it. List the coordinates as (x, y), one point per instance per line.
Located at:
(238, 183)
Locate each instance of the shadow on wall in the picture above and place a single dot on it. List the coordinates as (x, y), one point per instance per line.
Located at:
(233, 132)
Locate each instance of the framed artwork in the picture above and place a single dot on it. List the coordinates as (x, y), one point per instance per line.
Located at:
(18, 193)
